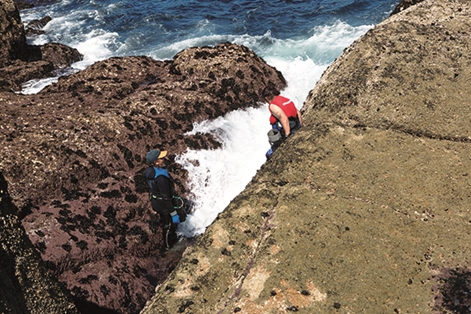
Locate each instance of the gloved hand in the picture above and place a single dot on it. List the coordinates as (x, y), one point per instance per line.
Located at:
(175, 217)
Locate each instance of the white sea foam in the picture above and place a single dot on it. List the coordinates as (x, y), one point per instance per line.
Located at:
(94, 45)
(35, 86)
(219, 175)
(94, 48)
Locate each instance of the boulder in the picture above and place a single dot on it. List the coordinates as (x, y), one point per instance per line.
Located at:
(12, 33)
(366, 209)
(20, 62)
(35, 26)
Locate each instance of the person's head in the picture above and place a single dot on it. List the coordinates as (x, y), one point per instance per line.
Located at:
(156, 157)
(269, 92)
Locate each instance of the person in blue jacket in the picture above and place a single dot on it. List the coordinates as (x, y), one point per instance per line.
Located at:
(161, 190)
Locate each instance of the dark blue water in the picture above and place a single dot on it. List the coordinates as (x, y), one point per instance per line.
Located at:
(299, 38)
(144, 24)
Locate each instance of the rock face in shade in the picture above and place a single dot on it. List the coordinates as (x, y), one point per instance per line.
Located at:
(404, 4)
(366, 209)
(12, 33)
(26, 286)
(73, 156)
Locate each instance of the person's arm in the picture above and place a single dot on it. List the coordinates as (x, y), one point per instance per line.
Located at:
(281, 116)
(300, 118)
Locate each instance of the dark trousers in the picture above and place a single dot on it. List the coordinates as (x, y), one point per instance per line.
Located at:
(164, 208)
(294, 125)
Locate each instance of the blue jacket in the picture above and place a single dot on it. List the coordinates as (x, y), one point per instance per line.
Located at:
(161, 184)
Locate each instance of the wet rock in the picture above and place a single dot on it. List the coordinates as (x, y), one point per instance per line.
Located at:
(35, 26)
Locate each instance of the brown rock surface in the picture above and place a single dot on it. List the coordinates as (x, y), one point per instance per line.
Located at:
(366, 209)
(12, 33)
(25, 284)
(73, 155)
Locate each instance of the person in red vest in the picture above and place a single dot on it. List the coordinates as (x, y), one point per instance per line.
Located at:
(284, 117)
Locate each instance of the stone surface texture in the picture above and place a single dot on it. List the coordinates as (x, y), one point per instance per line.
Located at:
(26, 286)
(12, 33)
(366, 209)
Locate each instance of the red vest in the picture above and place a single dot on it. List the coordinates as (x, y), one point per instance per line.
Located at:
(286, 105)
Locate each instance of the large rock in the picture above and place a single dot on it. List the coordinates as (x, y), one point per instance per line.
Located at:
(74, 155)
(12, 33)
(26, 286)
(20, 62)
(366, 209)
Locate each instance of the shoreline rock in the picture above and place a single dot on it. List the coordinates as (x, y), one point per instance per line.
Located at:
(26, 285)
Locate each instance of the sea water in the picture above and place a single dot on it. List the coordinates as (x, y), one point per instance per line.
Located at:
(300, 38)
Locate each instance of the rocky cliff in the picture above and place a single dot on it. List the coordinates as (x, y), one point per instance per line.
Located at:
(72, 160)
(366, 209)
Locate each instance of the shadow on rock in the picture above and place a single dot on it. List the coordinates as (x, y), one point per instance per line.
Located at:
(453, 291)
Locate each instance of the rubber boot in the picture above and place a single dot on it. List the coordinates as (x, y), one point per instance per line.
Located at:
(170, 236)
